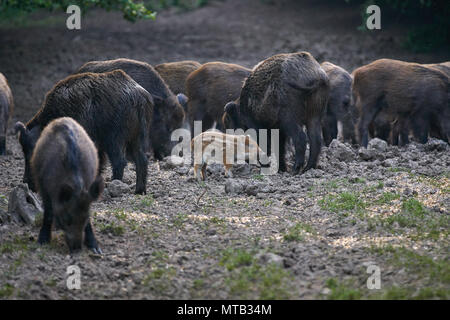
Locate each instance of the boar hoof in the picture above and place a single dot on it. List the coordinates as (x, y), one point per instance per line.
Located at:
(96, 250)
(44, 237)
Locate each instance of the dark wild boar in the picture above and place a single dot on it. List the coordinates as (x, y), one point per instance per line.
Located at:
(285, 92)
(209, 88)
(339, 108)
(406, 92)
(114, 110)
(65, 169)
(6, 109)
(168, 113)
(176, 73)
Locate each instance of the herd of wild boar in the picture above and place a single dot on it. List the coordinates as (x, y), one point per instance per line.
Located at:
(122, 109)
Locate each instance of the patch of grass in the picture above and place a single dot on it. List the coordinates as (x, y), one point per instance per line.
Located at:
(259, 177)
(147, 200)
(217, 221)
(198, 284)
(414, 215)
(249, 279)
(399, 169)
(411, 215)
(17, 244)
(113, 228)
(120, 215)
(297, 232)
(7, 290)
(267, 203)
(433, 272)
(358, 180)
(179, 220)
(234, 258)
(343, 202)
(387, 198)
(342, 290)
(159, 256)
(158, 273)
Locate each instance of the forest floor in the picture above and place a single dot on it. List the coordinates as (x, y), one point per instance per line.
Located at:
(280, 236)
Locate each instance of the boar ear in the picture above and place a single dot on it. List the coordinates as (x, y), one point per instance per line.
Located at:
(65, 194)
(96, 188)
(230, 107)
(19, 127)
(183, 100)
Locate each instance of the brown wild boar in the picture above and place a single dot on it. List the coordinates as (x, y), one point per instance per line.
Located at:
(339, 108)
(6, 109)
(209, 88)
(115, 111)
(443, 67)
(176, 73)
(285, 92)
(229, 145)
(406, 92)
(65, 169)
(168, 113)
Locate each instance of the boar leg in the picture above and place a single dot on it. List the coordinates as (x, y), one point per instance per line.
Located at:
(299, 139)
(141, 161)
(444, 128)
(45, 234)
(282, 152)
(118, 164)
(367, 116)
(329, 129)
(420, 126)
(315, 142)
(101, 162)
(89, 239)
(2, 145)
(404, 131)
(204, 171)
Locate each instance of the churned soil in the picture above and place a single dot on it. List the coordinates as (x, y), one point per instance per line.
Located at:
(252, 236)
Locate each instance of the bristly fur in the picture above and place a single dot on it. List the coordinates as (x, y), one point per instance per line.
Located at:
(285, 92)
(114, 110)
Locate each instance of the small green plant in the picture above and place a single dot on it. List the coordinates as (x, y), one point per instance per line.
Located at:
(247, 278)
(343, 202)
(234, 258)
(147, 200)
(342, 290)
(387, 198)
(6, 290)
(113, 228)
(259, 177)
(297, 233)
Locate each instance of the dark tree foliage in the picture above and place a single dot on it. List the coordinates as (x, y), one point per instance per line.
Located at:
(428, 20)
(132, 10)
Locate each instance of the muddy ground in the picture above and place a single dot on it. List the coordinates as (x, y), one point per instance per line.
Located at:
(281, 236)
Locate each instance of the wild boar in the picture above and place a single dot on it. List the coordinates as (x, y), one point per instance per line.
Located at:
(115, 111)
(209, 88)
(339, 108)
(228, 145)
(405, 91)
(168, 113)
(65, 170)
(176, 73)
(285, 92)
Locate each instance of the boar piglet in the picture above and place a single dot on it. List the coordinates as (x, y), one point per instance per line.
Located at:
(209, 145)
